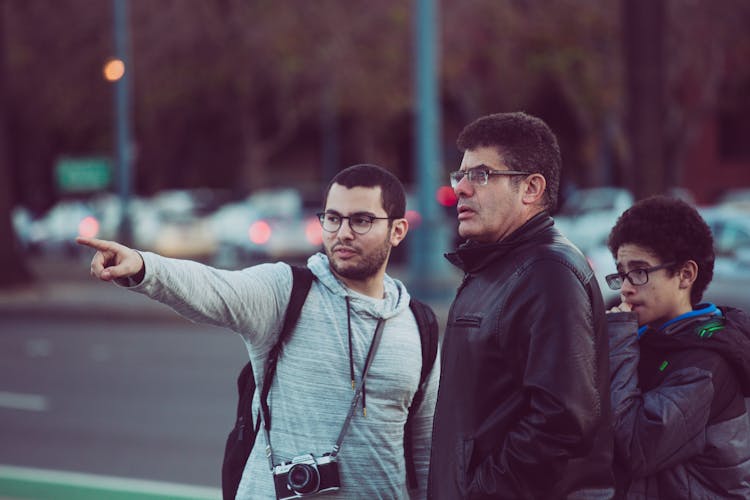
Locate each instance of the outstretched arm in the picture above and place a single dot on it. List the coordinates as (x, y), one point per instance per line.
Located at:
(250, 301)
(113, 261)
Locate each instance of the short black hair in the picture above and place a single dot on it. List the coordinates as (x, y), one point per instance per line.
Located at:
(674, 231)
(525, 143)
(393, 196)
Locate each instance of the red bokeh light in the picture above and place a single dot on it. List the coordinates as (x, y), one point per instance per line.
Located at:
(313, 232)
(259, 232)
(446, 196)
(414, 218)
(88, 227)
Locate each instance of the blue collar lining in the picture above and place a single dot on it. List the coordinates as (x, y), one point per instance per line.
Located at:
(703, 309)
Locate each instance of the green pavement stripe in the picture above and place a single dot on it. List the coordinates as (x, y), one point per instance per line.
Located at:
(39, 484)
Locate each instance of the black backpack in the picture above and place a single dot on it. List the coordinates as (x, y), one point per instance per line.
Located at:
(242, 437)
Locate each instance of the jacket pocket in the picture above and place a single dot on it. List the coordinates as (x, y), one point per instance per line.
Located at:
(471, 321)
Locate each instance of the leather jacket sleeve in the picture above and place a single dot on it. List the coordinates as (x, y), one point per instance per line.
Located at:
(550, 314)
(661, 427)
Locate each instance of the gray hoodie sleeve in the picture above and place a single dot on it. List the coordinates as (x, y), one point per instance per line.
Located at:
(250, 301)
(660, 427)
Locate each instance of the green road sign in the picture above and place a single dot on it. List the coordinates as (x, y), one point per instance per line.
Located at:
(83, 174)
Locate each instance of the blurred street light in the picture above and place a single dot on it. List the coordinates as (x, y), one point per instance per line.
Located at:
(114, 69)
(123, 146)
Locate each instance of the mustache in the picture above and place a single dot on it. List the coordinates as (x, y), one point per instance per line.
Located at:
(343, 245)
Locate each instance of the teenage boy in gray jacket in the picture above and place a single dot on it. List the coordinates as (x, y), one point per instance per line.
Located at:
(312, 390)
(680, 368)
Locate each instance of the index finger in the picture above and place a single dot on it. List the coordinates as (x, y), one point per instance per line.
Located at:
(95, 243)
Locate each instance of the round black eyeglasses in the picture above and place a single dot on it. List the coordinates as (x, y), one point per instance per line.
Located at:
(359, 223)
(636, 277)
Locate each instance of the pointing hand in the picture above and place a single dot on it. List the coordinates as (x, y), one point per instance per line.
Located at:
(112, 260)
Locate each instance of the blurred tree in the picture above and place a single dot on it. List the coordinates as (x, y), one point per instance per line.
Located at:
(59, 102)
(643, 30)
(558, 60)
(231, 93)
(14, 271)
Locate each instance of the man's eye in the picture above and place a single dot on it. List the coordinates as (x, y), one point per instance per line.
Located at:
(361, 220)
(333, 218)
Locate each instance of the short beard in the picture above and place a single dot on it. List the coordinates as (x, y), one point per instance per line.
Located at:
(367, 267)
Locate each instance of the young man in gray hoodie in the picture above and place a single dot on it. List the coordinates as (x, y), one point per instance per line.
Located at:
(323, 359)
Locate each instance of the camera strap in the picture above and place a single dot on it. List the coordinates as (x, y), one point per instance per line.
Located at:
(265, 413)
(358, 392)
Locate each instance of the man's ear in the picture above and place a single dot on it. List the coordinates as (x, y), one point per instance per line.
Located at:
(534, 186)
(688, 273)
(399, 228)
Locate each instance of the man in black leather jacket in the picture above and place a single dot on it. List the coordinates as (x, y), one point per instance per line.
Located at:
(523, 406)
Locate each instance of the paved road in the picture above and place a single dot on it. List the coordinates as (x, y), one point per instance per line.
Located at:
(148, 400)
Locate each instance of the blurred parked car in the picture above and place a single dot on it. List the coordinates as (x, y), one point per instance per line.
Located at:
(184, 228)
(269, 225)
(601, 261)
(738, 198)
(730, 224)
(56, 230)
(589, 214)
(22, 220)
(731, 229)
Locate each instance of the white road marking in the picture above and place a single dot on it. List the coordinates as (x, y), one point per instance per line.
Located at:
(28, 402)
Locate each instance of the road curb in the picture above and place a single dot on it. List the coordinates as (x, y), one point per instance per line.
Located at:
(41, 484)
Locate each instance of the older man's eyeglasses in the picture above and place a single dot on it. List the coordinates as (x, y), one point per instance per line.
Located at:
(636, 277)
(359, 223)
(479, 176)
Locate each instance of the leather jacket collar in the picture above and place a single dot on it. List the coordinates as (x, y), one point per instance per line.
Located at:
(472, 257)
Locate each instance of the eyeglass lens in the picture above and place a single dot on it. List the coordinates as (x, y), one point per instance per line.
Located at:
(636, 277)
(360, 224)
(476, 176)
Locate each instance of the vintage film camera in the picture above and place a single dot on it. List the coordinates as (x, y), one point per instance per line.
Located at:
(306, 475)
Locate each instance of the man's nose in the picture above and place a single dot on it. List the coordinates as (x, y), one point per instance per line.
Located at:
(345, 230)
(464, 187)
(627, 287)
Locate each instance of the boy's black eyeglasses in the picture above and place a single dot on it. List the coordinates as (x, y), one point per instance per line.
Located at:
(636, 277)
(479, 176)
(359, 223)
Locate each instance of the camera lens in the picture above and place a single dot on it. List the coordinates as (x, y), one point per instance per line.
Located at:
(303, 478)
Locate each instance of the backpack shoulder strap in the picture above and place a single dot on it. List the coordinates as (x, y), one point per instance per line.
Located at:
(428, 334)
(429, 337)
(240, 442)
(302, 279)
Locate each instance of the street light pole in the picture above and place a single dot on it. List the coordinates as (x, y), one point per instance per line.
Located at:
(430, 276)
(123, 144)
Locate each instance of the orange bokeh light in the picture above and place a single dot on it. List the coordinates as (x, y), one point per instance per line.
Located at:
(113, 70)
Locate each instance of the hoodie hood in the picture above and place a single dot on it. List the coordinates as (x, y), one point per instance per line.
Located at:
(726, 332)
(395, 300)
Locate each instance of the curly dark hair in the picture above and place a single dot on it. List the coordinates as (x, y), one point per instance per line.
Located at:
(393, 196)
(674, 231)
(525, 143)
